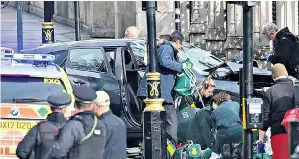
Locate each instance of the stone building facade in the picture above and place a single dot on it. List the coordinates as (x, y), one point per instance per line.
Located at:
(214, 25)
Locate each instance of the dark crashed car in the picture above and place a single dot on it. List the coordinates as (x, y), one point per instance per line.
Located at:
(118, 65)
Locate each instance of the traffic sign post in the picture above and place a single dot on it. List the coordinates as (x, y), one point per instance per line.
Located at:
(251, 107)
(20, 25)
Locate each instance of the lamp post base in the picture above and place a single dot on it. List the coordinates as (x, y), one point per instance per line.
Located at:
(154, 133)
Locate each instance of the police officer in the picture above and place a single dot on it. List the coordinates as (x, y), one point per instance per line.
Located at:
(83, 137)
(116, 140)
(40, 139)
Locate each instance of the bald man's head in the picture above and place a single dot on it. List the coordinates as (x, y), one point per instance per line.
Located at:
(132, 32)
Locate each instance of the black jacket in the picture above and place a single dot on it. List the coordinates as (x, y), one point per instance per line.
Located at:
(116, 139)
(278, 99)
(70, 144)
(199, 130)
(286, 50)
(28, 145)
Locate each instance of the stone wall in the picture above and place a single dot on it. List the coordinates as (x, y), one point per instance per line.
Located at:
(213, 25)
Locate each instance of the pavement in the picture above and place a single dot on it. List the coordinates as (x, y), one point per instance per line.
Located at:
(32, 30)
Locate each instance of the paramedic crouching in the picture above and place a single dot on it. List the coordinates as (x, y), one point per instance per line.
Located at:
(83, 137)
(199, 130)
(226, 121)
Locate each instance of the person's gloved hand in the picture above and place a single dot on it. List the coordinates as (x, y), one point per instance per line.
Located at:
(184, 65)
(260, 146)
(268, 56)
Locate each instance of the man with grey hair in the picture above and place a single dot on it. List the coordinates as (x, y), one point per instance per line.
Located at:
(116, 139)
(132, 32)
(286, 48)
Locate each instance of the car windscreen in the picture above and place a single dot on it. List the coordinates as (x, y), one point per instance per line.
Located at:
(201, 59)
(16, 87)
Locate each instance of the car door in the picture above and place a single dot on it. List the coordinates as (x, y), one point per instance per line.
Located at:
(128, 97)
(90, 66)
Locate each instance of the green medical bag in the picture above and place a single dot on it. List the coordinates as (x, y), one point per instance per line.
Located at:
(185, 82)
(192, 151)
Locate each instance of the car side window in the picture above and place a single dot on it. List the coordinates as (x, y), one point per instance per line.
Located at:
(59, 56)
(91, 60)
(129, 62)
(110, 53)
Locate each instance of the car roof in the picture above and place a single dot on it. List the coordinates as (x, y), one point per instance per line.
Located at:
(84, 43)
(51, 71)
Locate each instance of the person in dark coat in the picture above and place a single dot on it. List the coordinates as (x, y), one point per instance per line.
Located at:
(278, 99)
(286, 48)
(226, 122)
(35, 144)
(169, 67)
(84, 136)
(116, 137)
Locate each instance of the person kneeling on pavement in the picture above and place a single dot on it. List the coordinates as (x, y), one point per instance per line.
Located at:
(39, 140)
(116, 138)
(199, 130)
(226, 121)
(84, 136)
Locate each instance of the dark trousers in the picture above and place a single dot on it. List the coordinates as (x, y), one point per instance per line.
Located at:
(231, 136)
(171, 121)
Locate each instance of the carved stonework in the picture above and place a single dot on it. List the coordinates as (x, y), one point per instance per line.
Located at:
(233, 45)
(216, 48)
(217, 34)
(215, 39)
(198, 24)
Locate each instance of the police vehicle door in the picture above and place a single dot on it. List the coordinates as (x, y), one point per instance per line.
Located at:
(90, 66)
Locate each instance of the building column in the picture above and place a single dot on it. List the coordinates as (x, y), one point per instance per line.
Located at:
(198, 24)
(265, 14)
(234, 42)
(185, 19)
(216, 35)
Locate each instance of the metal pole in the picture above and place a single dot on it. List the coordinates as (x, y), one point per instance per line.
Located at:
(77, 20)
(248, 72)
(274, 12)
(47, 29)
(177, 6)
(20, 25)
(154, 115)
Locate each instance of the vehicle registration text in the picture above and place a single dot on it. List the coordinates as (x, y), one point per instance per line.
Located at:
(16, 125)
